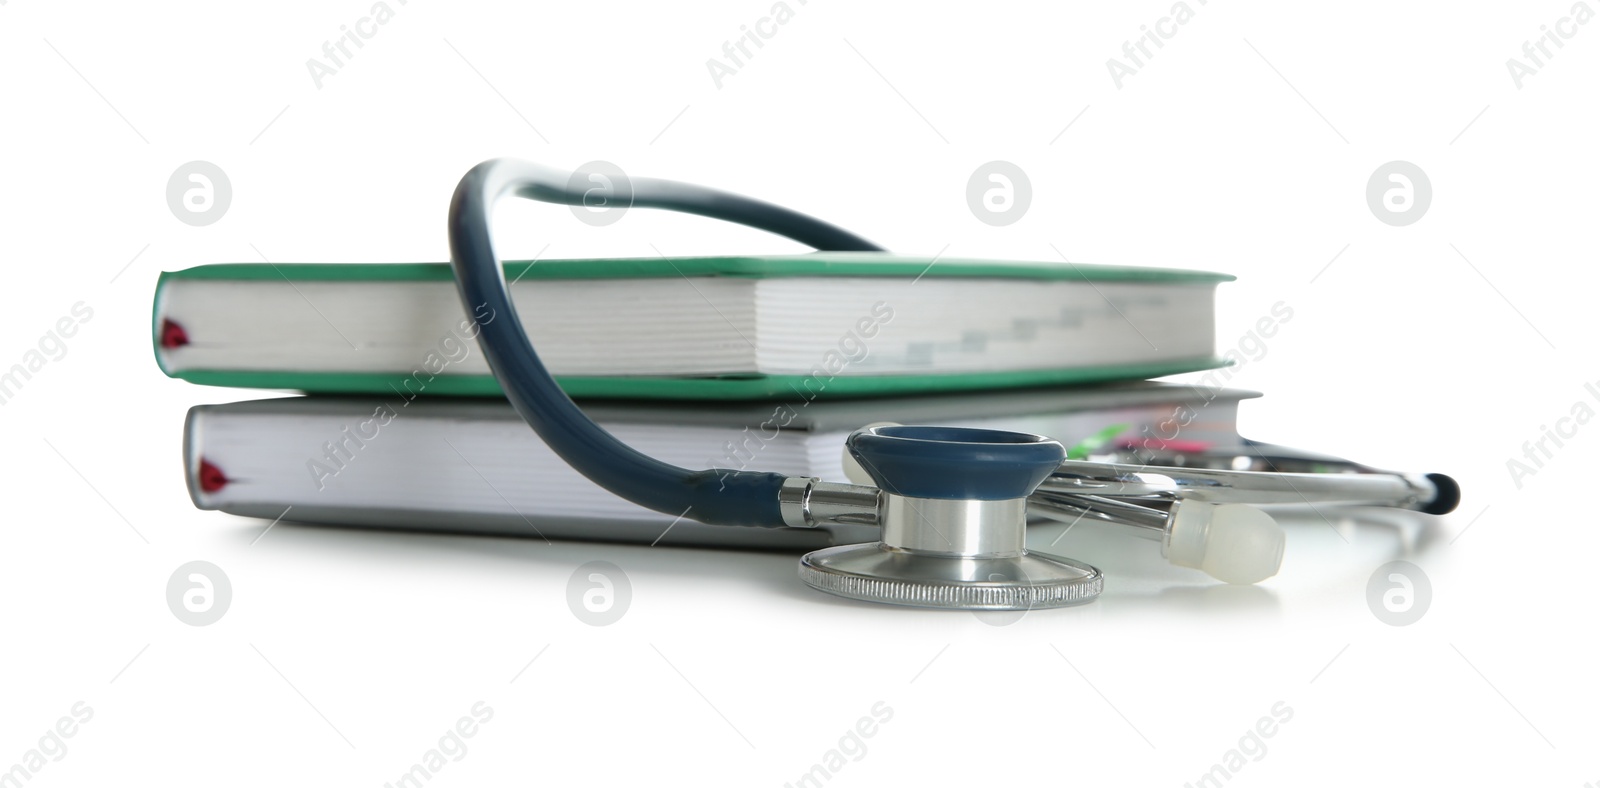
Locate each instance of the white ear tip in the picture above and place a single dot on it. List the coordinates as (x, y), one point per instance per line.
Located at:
(1246, 545)
(852, 469)
(1234, 543)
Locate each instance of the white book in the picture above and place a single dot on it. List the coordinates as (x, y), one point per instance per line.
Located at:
(472, 465)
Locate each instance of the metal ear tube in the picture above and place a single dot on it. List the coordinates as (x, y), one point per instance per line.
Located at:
(1234, 543)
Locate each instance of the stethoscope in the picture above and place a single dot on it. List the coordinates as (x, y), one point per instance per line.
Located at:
(951, 503)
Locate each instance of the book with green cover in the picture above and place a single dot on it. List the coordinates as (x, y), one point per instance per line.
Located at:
(818, 325)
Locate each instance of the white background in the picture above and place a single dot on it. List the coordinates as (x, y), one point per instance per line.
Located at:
(1244, 145)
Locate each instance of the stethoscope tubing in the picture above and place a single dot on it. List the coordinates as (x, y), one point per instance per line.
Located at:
(713, 496)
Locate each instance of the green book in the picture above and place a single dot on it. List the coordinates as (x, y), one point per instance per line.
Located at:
(820, 325)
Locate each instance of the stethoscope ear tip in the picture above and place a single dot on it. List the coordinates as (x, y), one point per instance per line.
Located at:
(1446, 497)
(1234, 542)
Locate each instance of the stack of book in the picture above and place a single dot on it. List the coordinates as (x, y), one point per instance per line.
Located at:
(761, 363)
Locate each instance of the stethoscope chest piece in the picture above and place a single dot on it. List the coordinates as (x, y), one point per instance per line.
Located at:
(953, 512)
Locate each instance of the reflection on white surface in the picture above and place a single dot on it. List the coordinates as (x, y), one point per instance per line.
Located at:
(1325, 548)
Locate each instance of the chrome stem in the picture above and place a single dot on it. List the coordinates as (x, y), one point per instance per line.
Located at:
(813, 503)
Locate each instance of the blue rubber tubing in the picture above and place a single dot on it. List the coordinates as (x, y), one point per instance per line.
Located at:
(714, 496)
